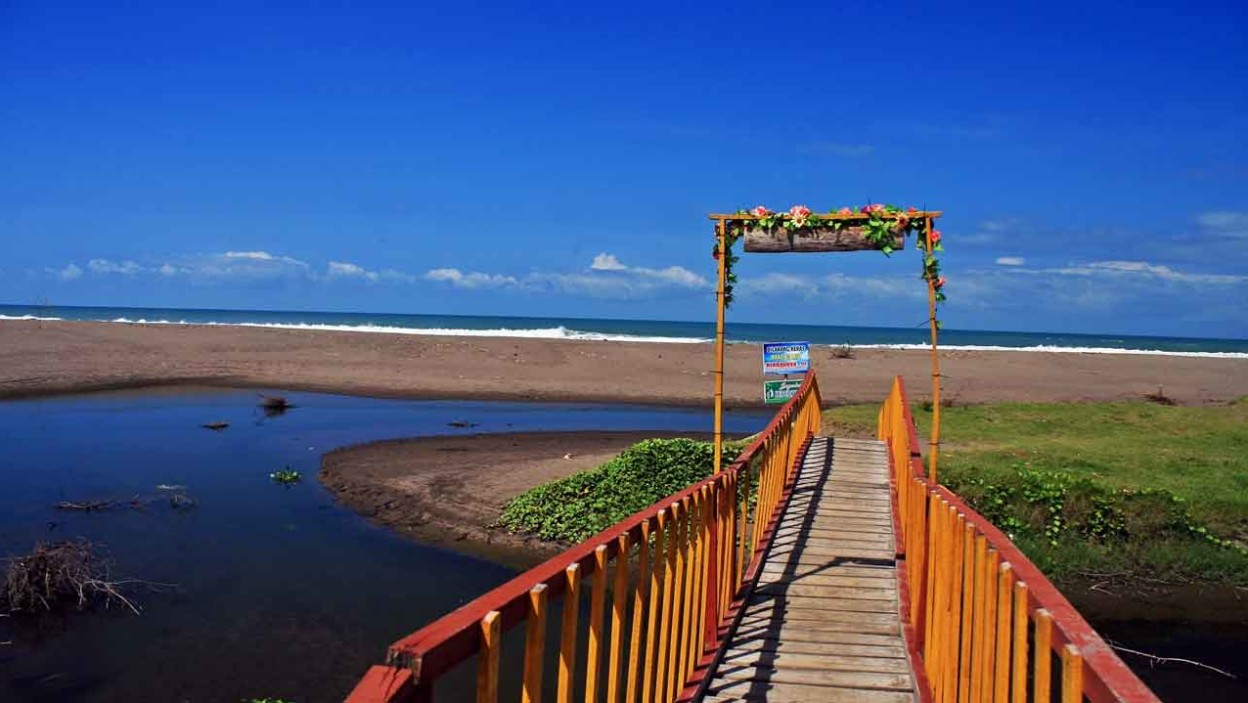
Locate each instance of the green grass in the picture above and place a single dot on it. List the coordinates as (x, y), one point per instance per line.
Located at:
(1093, 486)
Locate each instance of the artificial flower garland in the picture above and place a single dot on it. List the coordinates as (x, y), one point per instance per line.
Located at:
(883, 223)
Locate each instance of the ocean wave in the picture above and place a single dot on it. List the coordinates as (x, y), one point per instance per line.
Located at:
(562, 332)
(1053, 349)
(538, 333)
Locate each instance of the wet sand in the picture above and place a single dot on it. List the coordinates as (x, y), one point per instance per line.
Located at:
(450, 490)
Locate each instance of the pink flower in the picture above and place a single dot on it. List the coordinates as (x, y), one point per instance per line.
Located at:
(877, 208)
(913, 210)
(935, 237)
(799, 214)
(866, 209)
(940, 283)
(760, 211)
(902, 221)
(845, 211)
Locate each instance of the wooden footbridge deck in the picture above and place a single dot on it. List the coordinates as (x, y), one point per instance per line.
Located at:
(811, 569)
(823, 622)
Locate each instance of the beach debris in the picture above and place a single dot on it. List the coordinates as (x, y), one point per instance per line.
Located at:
(461, 423)
(274, 405)
(843, 352)
(215, 426)
(176, 495)
(60, 574)
(286, 476)
(87, 506)
(1160, 397)
(181, 501)
(567, 456)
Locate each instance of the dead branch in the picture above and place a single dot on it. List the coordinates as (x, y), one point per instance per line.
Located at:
(60, 574)
(1154, 660)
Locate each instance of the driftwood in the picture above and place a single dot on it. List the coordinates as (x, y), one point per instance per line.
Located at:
(274, 405)
(1154, 660)
(60, 574)
(176, 495)
(216, 426)
(88, 506)
(813, 239)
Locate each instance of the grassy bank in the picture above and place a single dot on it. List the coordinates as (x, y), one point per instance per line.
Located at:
(581, 505)
(1090, 490)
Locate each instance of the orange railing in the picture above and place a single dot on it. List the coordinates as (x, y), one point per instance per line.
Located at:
(665, 587)
(983, 621)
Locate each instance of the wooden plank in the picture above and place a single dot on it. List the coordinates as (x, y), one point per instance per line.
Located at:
(744, 693)
(830, 639)
(888, 651)
(827, 677)
(795, 590)
(833, 578)
(764, 659)
(841, 605)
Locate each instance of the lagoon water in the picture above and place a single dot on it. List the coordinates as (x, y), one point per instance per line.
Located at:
(280, 592)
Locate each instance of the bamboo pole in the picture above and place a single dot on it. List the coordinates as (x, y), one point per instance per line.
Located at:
(934, 441)
(720, 305)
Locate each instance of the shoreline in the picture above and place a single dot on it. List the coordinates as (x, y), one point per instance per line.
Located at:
(55, 358)
(464, 481)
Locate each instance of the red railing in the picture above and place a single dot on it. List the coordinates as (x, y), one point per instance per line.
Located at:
(982, 620)
(679, 573)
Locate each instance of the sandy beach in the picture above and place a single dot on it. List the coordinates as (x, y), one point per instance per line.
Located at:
(42, 358)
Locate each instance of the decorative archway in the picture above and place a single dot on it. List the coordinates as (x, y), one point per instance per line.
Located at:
(873, 227)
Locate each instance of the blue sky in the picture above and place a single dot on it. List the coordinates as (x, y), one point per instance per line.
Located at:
(476, 158)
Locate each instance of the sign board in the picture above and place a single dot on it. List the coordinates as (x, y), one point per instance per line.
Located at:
(779, 392)
(786, 357)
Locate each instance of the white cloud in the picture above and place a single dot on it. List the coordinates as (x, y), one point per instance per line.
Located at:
(474, 279)
(1010, 261)
(837, 286)
(70, 272)
(780, 283)
(346, 269)
(245, 265)
(673, 275)
(1145, 270)
(1225, 222)
(126, 268)
(607, 262)
(608, 277)
(841, 285)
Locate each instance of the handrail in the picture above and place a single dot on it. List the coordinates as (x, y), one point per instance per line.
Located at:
(969, 611)
(679, 578)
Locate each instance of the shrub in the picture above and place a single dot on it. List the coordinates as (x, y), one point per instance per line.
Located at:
(581, 505)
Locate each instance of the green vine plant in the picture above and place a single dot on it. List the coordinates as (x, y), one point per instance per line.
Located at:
(882, 225)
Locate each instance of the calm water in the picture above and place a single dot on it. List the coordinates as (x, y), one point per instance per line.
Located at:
(637, 330)
(280, 591)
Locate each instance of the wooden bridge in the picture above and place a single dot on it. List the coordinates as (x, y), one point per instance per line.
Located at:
(811, 569)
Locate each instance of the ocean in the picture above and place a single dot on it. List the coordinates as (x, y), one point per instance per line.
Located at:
(640, 330)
